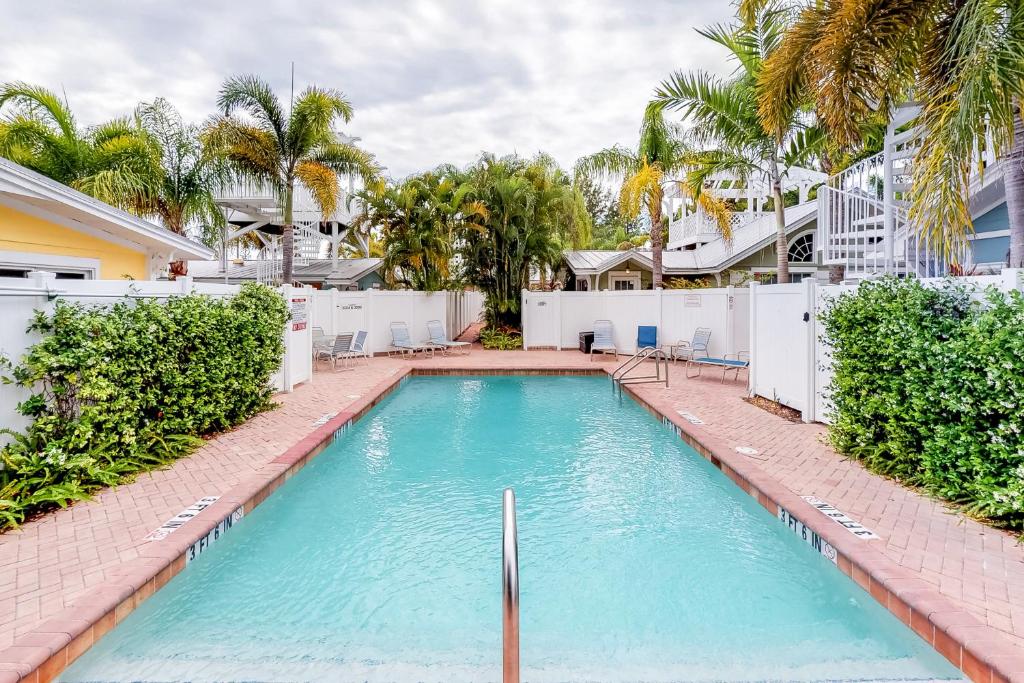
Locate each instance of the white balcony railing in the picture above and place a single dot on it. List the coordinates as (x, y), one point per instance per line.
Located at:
(699, 227)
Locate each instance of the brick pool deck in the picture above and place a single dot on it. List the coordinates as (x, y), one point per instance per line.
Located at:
(59, 560)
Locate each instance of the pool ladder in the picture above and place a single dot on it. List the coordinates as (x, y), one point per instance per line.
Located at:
(622, 375)
(509, 589)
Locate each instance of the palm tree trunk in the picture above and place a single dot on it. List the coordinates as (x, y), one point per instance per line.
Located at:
(1014, 178)
(287, 235)
(656, 242)
(781, 242)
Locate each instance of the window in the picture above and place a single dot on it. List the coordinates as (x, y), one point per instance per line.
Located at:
(624, 280)
(802, 249)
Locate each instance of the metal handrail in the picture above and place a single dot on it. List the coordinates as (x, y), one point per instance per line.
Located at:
(621, 375)
(509, 589)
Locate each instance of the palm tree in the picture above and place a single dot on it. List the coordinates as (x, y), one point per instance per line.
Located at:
(117, 162)
(523, 211)
(185, 197)
(724, 116)
(415, 219)
(276, 150)
(963, 60)
(660, 153)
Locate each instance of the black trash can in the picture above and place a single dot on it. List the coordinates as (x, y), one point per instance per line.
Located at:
(586, 341)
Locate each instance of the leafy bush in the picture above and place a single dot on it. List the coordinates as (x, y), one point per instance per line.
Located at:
(501, 338)
(928, 387)
(127, 388)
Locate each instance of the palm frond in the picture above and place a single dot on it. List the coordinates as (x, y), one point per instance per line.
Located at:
(344, 158)
(638, 188)
(322, 183)
(314, 113)
(613, 162)
(255, 96)
(41, 104)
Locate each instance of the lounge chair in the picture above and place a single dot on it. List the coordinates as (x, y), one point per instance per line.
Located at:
(646, 337)
(604, 341)
(685, 350)
(340, 349)
(358, 347)
(740, 362)
(402, 343)
(321, 342)
(439, 338)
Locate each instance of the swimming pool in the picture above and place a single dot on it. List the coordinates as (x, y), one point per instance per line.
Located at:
(380, 560)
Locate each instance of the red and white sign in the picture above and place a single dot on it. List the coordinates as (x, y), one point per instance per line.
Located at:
(299, 309)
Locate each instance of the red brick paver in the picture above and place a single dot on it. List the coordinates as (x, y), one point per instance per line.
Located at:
(52, 562)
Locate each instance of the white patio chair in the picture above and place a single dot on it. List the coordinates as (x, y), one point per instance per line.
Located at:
(604, 339)
(439, 338)
(402, 343)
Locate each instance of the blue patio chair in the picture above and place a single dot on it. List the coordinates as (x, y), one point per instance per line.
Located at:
(604, 339)
(740, 362)
(358, 347)
(646, 337)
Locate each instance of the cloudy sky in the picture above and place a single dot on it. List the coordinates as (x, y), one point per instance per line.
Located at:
(431, 82)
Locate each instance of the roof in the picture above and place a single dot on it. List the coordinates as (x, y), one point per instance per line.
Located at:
(33, 193)
(316, 270)
(712, 257)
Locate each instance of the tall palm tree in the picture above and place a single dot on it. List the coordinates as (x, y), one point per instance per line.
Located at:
(274, 149)
(185, 198)
(660, 154)
(963, 59)
(724, 116)
(522, 211)
(117, 162)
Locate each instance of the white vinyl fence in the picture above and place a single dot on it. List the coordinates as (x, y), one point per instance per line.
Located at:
(790, 362)
(338, 312)
(20, 298)
(555, 319)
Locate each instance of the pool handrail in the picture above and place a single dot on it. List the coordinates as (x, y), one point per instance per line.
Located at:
(509, 589)
(621, 374)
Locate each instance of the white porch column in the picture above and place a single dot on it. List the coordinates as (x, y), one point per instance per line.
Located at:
(888, 216)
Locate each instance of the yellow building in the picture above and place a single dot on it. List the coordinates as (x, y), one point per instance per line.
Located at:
(45, 225)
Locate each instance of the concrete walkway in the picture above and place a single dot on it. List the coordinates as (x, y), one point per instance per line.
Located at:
(51, 562)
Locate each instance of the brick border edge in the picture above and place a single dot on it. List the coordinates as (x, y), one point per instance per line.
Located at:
(978, 650)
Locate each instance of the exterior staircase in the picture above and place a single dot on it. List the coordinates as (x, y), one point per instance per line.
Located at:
(863, 222)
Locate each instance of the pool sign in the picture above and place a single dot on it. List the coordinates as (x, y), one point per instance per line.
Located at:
(809, 535)
(299, 308)
(214, 534)
(175, 522)
(853, 526)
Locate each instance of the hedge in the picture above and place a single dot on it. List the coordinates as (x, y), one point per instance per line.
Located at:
(928, 387)
(123, 389)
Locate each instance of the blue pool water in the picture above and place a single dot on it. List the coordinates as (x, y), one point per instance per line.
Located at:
(380, 561)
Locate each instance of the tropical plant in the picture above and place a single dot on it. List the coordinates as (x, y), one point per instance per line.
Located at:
(184, 200)
(724, 116)
(117, 162)
(944, 411)
(526, 212)
(122, 389)
(660, 154)
(609, 229)
(273, 149)
(417, 220)
(963, 59)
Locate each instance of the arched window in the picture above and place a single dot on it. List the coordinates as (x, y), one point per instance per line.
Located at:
(802, 249)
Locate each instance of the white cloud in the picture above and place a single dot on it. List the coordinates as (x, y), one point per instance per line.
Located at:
(432, 82)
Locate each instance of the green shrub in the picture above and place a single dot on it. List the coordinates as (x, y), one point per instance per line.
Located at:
(501, 338)
(928, 388)
(127, 388)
